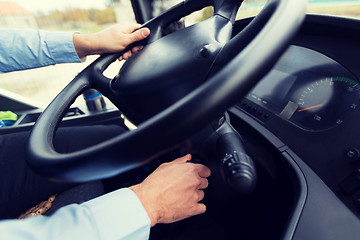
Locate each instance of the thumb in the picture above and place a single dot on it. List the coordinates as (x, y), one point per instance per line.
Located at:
(139, 34)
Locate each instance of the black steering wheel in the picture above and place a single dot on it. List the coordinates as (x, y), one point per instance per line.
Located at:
(175, 86)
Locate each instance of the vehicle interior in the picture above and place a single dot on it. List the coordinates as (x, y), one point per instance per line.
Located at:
(269, 103)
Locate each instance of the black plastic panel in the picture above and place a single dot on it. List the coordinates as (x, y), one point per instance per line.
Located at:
(324, 46)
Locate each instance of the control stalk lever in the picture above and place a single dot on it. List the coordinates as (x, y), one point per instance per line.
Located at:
(237, 168)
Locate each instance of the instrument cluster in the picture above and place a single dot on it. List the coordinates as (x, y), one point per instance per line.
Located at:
(308, 89)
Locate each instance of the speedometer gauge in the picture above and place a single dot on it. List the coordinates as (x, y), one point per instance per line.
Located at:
(326, 102)
(309, 89)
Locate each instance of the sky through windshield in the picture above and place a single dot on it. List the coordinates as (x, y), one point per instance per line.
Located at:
(44, 6)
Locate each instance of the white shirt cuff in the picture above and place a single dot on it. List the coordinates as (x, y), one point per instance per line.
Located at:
(120, 215)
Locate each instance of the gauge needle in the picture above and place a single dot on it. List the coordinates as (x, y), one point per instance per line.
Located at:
(304, 109)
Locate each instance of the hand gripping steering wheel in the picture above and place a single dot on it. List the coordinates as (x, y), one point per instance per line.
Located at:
(175, 86)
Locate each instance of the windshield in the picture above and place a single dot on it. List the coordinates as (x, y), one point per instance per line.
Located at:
(43, 84)
(345, 8)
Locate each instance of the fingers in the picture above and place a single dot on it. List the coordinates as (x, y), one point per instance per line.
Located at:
(46, 204)
(203, 170)
(173, 191)
(129, 53)
(52, 198)
(134, 35)
(39, 209)
(134, 27)
(30, 210)
(126, 55)
(140, 34)
(35, 212)
(22, 216)
(204, 183)
(136, 49)
(201, 195)
(199, 209)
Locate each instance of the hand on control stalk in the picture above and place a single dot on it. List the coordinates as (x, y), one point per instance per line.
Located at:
(173, 191)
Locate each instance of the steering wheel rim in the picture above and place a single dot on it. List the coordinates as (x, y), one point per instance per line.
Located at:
(172, 125)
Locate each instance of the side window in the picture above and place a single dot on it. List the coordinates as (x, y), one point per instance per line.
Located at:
(41, 85)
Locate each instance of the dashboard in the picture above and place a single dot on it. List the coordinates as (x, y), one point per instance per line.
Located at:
(310, 100)
(308, 89)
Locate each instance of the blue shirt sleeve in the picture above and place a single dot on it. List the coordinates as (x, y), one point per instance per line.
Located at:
(28, 48)
(117, 215)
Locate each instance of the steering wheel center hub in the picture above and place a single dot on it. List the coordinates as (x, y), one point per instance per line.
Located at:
(169, 68)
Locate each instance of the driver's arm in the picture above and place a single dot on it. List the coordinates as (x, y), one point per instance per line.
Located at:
(171, 193)
(27, 48)
(117, 215)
